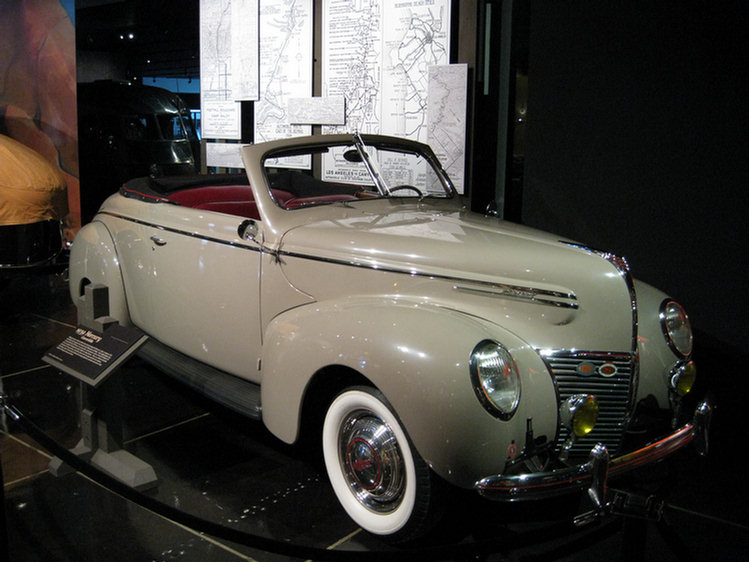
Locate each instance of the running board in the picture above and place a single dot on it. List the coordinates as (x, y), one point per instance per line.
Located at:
(228, 390)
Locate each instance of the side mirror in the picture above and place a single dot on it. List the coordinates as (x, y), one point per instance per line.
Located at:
(248, 230)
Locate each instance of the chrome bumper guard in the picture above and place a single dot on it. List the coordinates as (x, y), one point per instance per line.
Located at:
(595, 473)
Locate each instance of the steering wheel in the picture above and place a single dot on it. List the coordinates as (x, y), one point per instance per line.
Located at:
(410, 187)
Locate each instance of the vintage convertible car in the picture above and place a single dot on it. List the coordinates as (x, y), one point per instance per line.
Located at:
(342, 288)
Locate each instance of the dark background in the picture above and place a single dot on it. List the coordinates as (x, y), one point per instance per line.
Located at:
(636, 143)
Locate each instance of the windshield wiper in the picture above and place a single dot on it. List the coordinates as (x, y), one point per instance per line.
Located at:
(380, 183)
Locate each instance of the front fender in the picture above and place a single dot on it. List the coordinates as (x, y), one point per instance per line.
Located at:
(93, 259)
(418, 356)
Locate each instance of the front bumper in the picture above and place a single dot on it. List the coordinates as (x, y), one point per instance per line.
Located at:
(595, 473)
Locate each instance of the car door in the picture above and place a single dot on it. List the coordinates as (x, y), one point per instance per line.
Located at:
(194, 285)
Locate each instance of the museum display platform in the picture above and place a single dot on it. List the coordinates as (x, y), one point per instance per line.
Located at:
(222, 468)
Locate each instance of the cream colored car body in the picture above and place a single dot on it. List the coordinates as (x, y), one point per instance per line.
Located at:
(399, 291)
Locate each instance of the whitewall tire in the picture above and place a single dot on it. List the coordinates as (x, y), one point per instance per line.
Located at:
(379, 479)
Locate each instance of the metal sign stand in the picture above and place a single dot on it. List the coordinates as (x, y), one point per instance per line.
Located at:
(101, 406)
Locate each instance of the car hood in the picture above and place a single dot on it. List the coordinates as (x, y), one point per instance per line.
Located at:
(528, 274)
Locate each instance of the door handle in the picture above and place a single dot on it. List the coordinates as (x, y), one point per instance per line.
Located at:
(158, 241)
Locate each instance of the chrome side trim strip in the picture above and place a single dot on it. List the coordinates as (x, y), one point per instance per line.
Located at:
(530, 294)
(179, 231)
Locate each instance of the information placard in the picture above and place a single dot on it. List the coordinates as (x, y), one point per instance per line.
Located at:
(90, 355)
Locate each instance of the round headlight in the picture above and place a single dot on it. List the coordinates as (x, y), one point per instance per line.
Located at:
(495, 379)
(676, 328)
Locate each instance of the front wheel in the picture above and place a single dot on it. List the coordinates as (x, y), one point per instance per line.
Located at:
(378, 477)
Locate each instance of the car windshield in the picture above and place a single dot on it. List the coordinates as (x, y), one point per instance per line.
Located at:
(360, 168)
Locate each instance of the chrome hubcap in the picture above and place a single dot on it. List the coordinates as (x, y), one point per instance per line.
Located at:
(371, 461)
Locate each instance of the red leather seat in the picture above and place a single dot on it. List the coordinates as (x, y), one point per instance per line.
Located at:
(230, 199)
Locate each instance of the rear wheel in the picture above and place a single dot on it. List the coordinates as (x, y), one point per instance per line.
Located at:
(378, 477)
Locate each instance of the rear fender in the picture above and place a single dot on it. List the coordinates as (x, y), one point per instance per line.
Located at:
(93, 259)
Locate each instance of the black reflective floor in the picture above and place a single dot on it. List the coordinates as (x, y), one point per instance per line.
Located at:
(228, 470)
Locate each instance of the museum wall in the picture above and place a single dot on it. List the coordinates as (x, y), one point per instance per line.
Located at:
(636, 145)
(37, 87)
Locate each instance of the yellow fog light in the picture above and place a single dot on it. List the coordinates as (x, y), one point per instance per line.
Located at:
(586, 416)
(579, 413)
(683, 380)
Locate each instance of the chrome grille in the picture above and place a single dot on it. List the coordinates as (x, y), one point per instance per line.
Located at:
(613, 394)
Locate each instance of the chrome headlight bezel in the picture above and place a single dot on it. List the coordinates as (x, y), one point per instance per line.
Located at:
(676, 328)
(495, 378)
